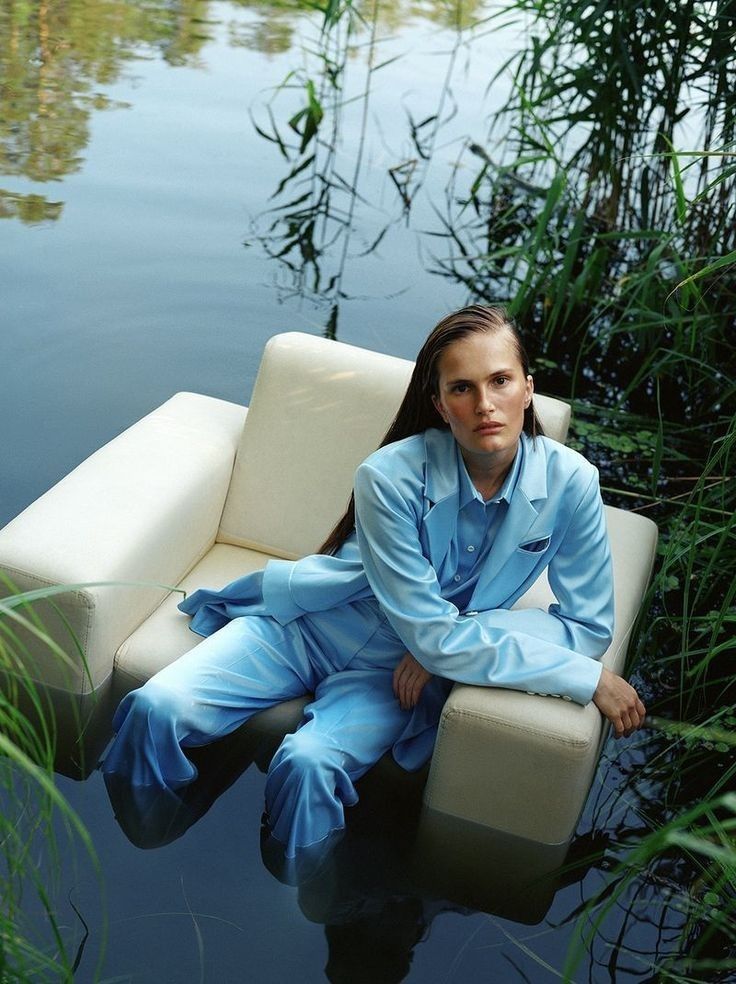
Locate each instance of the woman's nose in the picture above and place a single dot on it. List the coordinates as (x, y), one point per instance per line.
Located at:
(485, 402)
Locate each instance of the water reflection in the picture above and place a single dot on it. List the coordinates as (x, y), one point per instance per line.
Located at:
(337, 199)
(377, 886)
(30, 209)
(53, 59)
(56, 60)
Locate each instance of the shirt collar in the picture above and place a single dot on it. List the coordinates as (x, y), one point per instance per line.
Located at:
(468, 491)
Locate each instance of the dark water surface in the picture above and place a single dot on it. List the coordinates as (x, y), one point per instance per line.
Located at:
(138, 258)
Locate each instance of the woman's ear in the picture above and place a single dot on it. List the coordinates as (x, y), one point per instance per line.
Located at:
(529, 391)
(439, 408)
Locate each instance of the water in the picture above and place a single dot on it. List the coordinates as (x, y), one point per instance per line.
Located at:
(145, 264)
(143, 285)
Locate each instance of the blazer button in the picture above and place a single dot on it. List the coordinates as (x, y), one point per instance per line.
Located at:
(456, 578)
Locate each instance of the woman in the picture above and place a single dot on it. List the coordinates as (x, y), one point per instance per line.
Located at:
(452, 519)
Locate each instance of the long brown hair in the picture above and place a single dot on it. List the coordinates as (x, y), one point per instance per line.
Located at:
(417, 412)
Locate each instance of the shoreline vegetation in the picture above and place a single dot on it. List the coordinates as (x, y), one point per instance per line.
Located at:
(31, 807)
(598, 204)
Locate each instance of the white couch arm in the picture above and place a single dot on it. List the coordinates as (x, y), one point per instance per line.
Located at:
(522, 763)
(145, 507)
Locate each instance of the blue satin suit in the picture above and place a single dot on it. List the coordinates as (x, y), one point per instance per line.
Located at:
(336, 627)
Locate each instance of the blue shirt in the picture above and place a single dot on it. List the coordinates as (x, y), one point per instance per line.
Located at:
(477, 523)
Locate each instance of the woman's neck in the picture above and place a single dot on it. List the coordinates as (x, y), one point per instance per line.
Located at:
(488, 471)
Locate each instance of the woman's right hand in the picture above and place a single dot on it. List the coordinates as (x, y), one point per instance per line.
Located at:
(619, 702)
(410, 679)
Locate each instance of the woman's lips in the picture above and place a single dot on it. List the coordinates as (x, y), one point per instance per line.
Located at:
(488, 428)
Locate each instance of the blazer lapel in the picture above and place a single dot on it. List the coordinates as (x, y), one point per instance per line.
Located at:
(523, 510)
(442, 495)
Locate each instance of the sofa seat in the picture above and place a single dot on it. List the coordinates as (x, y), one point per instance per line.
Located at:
(165, 635)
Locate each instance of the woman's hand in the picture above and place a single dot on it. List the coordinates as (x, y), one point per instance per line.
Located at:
(619, 702)
(410, 679)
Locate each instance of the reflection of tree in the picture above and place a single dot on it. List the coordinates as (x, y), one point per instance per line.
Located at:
(28, 208)
(272, 35)
(274, 32)
(52, 56)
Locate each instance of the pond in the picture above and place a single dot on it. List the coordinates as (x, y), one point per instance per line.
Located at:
(178, 183)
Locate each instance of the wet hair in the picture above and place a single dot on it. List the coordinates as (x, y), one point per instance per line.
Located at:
(417, 412)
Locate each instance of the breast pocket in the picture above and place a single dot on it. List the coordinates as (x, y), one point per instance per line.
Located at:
(535, 546)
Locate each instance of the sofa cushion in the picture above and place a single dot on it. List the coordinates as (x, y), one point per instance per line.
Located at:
(166, 635)
(318, 408)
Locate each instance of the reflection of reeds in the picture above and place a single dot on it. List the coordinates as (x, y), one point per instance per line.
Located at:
(31, 808)
(681, 858)
(317, 217)
(314, 224)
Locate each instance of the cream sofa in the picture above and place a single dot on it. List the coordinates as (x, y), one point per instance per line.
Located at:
(202, 490)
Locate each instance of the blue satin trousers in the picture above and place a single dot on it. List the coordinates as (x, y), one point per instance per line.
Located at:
(250, 664)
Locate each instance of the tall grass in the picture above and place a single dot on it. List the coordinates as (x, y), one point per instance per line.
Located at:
(610, 231)
(32, 812)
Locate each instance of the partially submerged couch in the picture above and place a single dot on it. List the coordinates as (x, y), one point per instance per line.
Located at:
(201, 491)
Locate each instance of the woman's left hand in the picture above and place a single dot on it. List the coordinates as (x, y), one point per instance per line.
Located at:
(410, 679)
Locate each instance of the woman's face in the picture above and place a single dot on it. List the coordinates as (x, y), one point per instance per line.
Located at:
(483, 392)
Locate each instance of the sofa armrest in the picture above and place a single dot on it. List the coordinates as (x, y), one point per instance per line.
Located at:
(523, 763)
(144, 508)
(515, 762)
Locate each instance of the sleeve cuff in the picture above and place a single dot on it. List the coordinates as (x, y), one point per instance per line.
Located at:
(277, 595)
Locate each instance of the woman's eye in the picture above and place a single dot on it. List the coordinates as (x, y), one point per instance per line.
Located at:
(460, 388)
(501, 380)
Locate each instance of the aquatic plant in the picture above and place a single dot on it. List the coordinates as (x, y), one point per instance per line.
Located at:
(615, 250)
(34, 944)
(325, 211)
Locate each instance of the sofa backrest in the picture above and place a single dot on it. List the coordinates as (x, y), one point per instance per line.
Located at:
(318, 409)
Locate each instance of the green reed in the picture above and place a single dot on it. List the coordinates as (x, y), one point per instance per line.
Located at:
(33, 810)
(323, 198)
(614, 243)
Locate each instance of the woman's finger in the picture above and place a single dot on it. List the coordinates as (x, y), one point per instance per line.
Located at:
(416, 691)
(406, 693)
(405, 688)
(400, 674)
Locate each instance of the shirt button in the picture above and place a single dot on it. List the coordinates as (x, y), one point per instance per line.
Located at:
(471, 548)
(456, 578)
(566, 697)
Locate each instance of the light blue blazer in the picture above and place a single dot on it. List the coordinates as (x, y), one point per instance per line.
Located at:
(407, 502)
